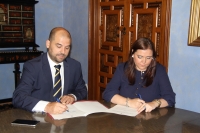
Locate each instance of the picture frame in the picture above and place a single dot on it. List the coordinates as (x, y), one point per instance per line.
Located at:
(194, 27)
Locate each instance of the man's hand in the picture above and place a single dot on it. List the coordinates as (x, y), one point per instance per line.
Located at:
(55, 108)
(67, 99)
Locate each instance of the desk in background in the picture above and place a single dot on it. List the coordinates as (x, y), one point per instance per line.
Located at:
(17, 33)
(164, 120)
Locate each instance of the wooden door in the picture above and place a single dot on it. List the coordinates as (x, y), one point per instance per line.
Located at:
(113, 26)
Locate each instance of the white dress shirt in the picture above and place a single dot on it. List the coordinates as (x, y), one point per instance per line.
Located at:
(39, 107)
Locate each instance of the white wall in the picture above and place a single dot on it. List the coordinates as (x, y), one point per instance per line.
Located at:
(184, 60)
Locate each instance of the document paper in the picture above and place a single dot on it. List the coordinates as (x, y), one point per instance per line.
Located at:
(81, 108)
(123, 110)
(84, 108)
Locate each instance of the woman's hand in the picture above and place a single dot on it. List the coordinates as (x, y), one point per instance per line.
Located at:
(137, 104)
(151, 106)
(154, 104)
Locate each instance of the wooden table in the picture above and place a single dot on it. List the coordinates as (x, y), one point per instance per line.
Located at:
(165, 120)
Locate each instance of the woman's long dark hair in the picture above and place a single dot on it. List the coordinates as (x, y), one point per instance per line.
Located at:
(141, 44)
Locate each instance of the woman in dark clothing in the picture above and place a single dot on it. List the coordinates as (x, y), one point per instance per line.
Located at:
(141, 82)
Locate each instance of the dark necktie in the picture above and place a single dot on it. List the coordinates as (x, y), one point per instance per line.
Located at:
(57, 83)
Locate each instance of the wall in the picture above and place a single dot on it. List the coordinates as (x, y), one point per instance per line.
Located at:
(7, 83)
(75, 19)
(184, 61)
(48, 14)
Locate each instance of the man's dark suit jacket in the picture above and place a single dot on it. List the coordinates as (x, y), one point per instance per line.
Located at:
(36, 82)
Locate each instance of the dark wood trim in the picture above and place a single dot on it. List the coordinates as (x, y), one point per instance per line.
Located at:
(92, 65)
(166, 35)
(8, 100)
(19, 1)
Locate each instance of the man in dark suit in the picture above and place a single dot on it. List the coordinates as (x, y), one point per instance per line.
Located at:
(35, 91)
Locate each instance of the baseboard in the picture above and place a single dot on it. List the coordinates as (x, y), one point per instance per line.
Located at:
(8, 100)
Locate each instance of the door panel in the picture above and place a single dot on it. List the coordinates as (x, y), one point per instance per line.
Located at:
(113, 26)
(145, 22)
(110, 51)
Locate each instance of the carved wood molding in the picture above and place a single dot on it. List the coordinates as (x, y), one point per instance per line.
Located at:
(93, 39)
(166, 32)
(194, 28)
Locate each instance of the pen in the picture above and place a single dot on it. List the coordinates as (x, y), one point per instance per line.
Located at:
(140, 96)
(58, 100)
(141, 99)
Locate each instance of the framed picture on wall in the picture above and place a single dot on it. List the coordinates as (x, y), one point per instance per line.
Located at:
(194, 28)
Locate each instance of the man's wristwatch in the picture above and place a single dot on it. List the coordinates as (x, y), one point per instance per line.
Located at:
(158, 102)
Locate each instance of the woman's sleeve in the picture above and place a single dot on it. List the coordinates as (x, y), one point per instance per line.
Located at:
(166, 90)
(113, 86)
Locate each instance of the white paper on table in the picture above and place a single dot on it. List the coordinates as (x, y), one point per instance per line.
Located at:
(81, 108)
(123, 110)
(73, 112)
(90, 107)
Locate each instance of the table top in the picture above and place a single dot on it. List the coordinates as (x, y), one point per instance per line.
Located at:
(163, 120)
